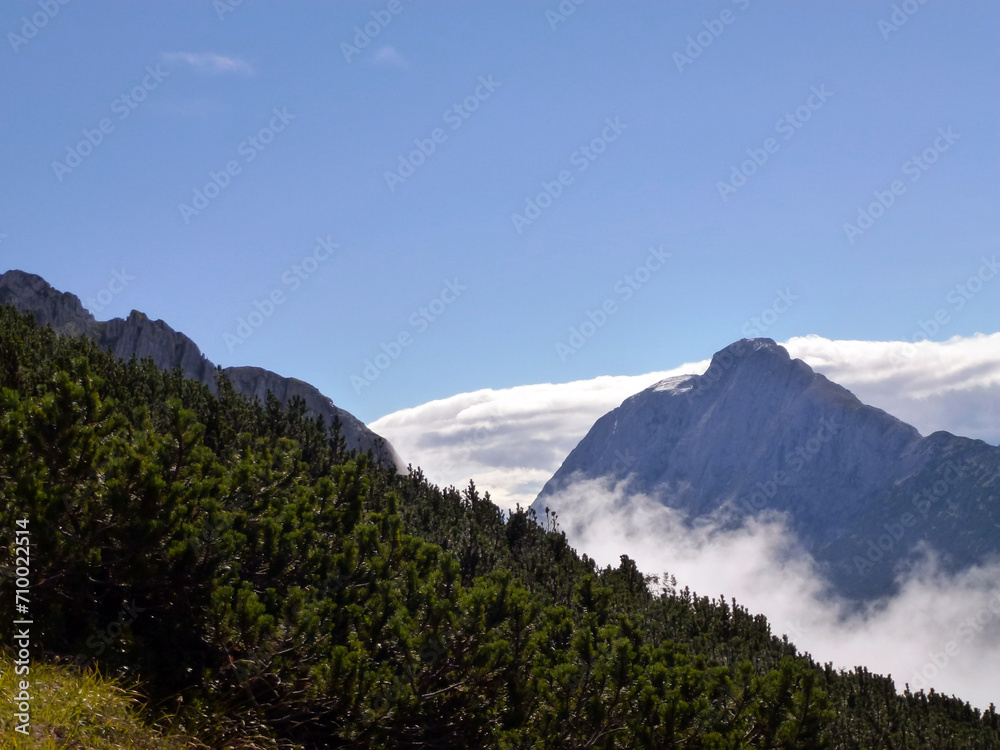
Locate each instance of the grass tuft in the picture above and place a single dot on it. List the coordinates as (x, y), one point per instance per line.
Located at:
(74, 708)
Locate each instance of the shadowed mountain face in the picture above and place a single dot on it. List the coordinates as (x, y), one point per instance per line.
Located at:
(139, 336)
(760, 432)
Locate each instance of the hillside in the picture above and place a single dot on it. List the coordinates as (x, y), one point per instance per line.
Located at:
(285, 591)
(141, 337)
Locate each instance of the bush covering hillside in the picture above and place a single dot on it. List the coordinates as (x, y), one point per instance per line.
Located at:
(264, 588)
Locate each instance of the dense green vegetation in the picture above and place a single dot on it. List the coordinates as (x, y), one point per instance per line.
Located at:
(262, 587)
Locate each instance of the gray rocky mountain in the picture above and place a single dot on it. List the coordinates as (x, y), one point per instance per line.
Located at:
(139, 336)
(864, 492)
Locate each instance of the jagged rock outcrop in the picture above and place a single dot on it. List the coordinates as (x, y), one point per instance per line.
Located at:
(139, 336)
(255, 382)
(760, 431)
(61, 310)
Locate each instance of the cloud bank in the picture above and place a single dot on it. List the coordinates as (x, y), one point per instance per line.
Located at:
(951, 385)
(511, 441)
(939, 632)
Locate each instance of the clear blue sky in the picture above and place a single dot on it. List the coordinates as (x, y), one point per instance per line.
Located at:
(548, 92)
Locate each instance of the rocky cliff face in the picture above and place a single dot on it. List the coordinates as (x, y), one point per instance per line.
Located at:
(762, 432)
(61, 310)
(139, 336)
(255, 382)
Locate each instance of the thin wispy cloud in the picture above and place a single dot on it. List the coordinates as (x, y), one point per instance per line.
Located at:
(389, 57)
(208, 62)
(511, 441)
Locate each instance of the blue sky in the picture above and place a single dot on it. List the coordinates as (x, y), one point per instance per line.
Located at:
(833, 100)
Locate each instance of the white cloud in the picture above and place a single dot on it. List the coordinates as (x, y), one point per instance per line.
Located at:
(939, 631)
(206, 62)
(390, 57)
(509, 441)
(512, 441)
(952, 385)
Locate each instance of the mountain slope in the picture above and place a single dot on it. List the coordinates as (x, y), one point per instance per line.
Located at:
(141, 337)
(762, 432)
(271, 591)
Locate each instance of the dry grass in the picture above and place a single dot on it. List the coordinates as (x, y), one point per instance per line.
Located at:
(72, 708)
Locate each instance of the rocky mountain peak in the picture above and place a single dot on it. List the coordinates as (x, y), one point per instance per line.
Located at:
(139, 336)
(61, 310)
(762, 432)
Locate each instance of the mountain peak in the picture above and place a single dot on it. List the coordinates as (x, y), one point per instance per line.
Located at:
(759, 431)
(745, 346)
(62, 310)
(758, 366)
(751, 352)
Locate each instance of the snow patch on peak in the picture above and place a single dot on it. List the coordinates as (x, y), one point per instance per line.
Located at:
(677, 384)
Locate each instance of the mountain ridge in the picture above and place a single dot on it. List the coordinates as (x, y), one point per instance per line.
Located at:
(139, 336)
